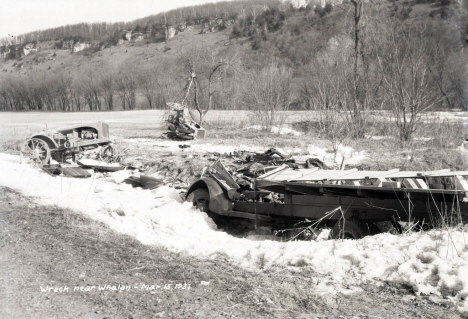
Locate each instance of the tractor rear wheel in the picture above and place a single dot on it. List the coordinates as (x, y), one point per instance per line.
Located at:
(109, 154)
(36, 150)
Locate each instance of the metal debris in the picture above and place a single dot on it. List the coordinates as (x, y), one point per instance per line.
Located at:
(180, 125)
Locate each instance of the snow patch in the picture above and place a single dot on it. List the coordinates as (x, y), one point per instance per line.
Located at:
(463, 148)
(275, 130)
(204, 148)
(351, 157)
(379, 137)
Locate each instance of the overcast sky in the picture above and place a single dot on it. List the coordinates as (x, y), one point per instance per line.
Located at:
(22, 16)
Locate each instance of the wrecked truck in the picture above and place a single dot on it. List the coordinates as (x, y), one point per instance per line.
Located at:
(350, 202)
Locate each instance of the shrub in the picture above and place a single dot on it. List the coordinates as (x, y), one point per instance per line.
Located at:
(255, 42)
(235, 33)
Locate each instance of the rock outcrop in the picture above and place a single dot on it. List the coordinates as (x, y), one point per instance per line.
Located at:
(80, 46)
(171, 32)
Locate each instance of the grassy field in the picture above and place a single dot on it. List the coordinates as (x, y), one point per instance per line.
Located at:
(434, 146)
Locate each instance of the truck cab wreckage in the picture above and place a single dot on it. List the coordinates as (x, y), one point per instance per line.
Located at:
(351, 202)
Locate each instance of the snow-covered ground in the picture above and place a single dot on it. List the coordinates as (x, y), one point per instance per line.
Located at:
(275, 130)
(435, 262)
(351, 156)
(173, 146)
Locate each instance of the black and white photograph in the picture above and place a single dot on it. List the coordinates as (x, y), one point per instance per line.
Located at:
(234, 159)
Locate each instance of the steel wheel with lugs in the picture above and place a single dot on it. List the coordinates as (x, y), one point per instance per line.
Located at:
(36, 150)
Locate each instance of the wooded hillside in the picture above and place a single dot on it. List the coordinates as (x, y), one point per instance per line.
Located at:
(404, 56)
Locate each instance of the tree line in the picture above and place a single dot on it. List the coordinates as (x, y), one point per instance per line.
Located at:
(152, 25)
(377, 62)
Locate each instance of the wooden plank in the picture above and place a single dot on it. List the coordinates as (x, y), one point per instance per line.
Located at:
(449, 174)
(75, 172)
(370, 188)
(390, 172)
(421, 183)
(404, 174)
(461, 183)
(312, 170)
(277, 170)
(379, 182)
(320, 175)
(288, 175)
(342, 176)
(100, 165)
(358, 175)
(284, 173)
(410, 183)
(441, 172)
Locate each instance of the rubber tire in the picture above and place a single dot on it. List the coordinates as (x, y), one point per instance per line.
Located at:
(352, 229)
(374, 229)
(200, 198)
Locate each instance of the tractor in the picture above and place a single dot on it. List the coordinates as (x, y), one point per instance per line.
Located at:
(65, 143)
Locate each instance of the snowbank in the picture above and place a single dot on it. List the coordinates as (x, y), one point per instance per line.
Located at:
(275, 130)
(432, 263)
(350, 156)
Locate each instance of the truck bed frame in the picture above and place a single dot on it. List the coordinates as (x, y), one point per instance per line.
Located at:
(315, 194)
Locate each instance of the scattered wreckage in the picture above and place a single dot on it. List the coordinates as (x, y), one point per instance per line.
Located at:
(351, 202)
(180, 125)
(271, 187)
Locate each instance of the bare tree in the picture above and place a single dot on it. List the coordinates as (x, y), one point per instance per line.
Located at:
(148, 81)
(204, 68)
(126, 82)
(327, 95)
(362, 87)
(107, 87)
(91, 90)
(268, 91)
(409, 85)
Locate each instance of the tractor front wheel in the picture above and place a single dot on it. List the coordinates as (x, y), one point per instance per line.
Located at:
(36, 150)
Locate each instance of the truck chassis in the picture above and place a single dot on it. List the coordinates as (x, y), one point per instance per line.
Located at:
(351, 202)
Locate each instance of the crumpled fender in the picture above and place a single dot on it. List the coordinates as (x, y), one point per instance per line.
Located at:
(219, 201)
(50, 142)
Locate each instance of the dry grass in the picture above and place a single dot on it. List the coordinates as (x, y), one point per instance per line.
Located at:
(45, 245)
(442, 133)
